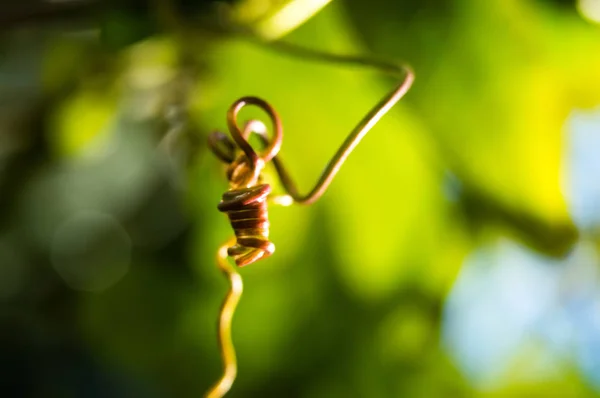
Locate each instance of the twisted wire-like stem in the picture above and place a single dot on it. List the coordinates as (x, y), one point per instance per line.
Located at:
(225, 150)
(234, 293)
(398, 70)
(356, 134)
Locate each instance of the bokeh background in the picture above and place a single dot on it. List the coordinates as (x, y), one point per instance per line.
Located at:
(455, 255)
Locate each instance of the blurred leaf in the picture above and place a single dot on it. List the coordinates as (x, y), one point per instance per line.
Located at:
(83, 122)
(275, 18)
(498, 81)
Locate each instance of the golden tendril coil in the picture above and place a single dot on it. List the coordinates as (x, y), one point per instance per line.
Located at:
(249, 218)
(246, 201)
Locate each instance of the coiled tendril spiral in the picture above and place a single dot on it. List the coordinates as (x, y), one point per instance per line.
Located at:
(248, 214)
(246, 201)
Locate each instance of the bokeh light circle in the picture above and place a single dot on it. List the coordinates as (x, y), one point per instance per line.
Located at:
(91, 251)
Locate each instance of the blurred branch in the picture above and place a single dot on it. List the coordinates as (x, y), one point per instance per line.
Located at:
(14, 15)
(554, 239)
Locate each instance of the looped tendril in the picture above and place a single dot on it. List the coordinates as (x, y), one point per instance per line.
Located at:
(241, 137)
(245, 201)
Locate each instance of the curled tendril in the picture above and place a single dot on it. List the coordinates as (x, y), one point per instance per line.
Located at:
(245, 201)
(241, 138)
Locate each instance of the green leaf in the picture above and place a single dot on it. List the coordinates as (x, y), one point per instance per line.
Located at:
(496, 82)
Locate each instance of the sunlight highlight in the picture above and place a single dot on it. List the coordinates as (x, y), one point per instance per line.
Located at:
(589, 9)
(288, 18)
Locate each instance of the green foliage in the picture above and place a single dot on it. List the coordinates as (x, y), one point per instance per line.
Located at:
(351, 303)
